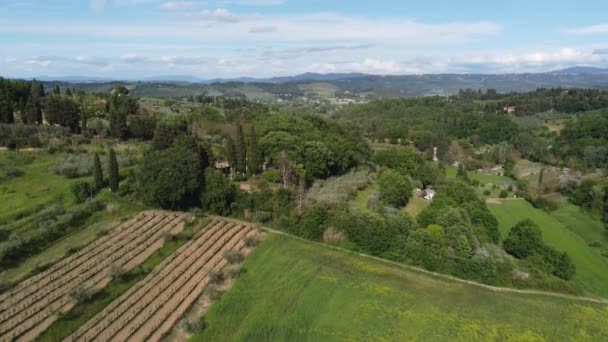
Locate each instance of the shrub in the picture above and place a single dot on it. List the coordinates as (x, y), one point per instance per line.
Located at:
(195, 325)
(395, 189)
(337, 190)
(216, 277)
(262, 216)
(82, 191)
(80, 294)
(233, 271)
(524, 239)
(116, 273)
(503, 194)
(15, 172)
(272, 176)
(595, 244)
(251, 241)
(233, 257)
(487, 192)
(213, 291)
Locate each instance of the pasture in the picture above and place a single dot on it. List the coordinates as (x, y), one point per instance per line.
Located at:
(591, 267)
(294, 290)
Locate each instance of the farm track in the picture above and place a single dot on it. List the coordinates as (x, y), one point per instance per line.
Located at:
(31, 307)
(150, 309)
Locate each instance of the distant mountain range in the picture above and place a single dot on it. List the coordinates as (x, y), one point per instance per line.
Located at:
(576, 70)
(352, 84)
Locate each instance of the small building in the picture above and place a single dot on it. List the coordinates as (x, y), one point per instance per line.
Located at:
(429, 194)
(510, 109)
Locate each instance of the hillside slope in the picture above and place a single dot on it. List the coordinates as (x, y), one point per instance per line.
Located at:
(295, 290)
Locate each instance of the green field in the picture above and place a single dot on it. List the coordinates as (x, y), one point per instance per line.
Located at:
(294, 290)
(586, 225)
(20, 196)
(591, 267)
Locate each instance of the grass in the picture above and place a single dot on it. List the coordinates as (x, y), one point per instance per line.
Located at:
(81, 313)
(293, 290)
(586, 225)
(591, 267)
(416, 205)
(36, 188)
(363, 195)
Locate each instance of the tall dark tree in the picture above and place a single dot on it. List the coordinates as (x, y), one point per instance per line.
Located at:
(462, 172)
(230, 152)
(32, 113)
(113, 169)
(56, 91)
(120, 106)
(97, 173)
(68, 92)
(605, 216)
(254, 157)
(63, 111)
(6, 109)
(36, 94)
(241, 150)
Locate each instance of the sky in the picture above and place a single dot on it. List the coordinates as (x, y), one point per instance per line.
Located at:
(139, 39)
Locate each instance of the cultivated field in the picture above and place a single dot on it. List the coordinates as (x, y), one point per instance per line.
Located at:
(28, 309)
(295, 290)
(149, 310)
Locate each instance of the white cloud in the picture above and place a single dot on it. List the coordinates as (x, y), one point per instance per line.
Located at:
(368, 66)
(219, 15)
(132, 58)
(593, 29)
(178, 5)
(253, 3)
(263, 29)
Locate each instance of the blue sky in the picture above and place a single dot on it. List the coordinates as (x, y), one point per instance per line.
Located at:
(231, 38)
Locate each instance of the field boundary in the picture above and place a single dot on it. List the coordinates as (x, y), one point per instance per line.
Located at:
(596, 300)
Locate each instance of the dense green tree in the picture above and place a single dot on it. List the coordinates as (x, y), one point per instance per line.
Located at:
(62, 111)
(32, 112)
(170, 178)
(218, 193)
(165, 134)
(395, 189)
(6, 109)
(97, 173)
(68, 92)
(113, 170)
(524, 239)
(56, 90)
(462, 172)
(120, 106)
(605, 208)
(230, 151)
(141, 126)
(241, 150)
(254, 158)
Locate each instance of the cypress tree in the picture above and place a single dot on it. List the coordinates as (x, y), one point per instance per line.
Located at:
(113, 167)
(254, 153)
(56, 91)
(230, 152)
(34, 115)
(241, 150)
(540, 180)
(97, 173)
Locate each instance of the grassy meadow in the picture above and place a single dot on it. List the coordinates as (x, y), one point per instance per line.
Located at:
(563, 234)
(39, 187)
(293, 290)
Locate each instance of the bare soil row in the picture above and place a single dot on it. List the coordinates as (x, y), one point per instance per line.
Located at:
(149, 310)
(27, 310)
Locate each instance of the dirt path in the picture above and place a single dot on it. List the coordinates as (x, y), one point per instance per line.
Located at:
(596, 300)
